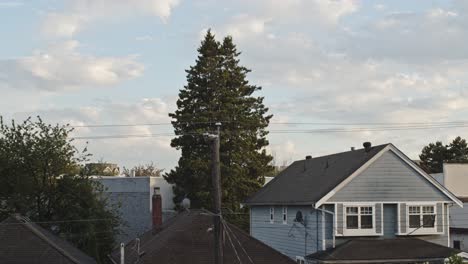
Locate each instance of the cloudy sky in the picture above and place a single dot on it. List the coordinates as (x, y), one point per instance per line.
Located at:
(334, 62)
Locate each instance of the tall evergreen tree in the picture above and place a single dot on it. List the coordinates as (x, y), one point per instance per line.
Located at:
(217, 90)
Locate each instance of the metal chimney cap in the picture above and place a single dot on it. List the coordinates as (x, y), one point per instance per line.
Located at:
(308, 157)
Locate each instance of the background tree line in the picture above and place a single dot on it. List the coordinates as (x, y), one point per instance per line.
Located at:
(434, 155)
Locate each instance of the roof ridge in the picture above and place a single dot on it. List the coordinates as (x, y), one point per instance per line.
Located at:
(342, 152)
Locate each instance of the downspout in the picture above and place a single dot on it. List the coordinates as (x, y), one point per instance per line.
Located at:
(447, 224)
(333, 229)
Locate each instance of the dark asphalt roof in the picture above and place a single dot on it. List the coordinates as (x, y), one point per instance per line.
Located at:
(307, 181)
(459, 230)
(393, 250)
(188, 238)
(25, 242)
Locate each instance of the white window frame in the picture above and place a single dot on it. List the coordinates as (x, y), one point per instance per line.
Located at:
(359, 231)
(421, 230)
(272, 214)
(285, 215)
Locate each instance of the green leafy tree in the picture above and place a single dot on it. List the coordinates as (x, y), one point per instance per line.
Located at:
(217, 90)
(40, 179)
(455, 259)
(435, 154)
(144, 170)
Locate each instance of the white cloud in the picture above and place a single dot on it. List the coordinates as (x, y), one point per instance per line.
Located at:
(78, 14)
(127, 151)
(244, 26)
(10, 4)
(62, 67)
(293, 11)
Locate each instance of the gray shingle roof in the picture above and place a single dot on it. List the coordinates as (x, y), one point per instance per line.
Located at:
(369, 250)
(25, 242)
(188, 238)
(306, 181)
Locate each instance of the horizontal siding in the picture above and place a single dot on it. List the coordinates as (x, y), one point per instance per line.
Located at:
(389, 179)
(291, 239)
(459, 216)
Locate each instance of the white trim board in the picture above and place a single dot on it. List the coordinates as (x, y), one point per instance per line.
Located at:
(402, 156)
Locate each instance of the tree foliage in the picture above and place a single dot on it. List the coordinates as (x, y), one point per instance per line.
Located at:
(455, 259)
(435, 154)
(40, 179)
(143, 170)
(217, 90)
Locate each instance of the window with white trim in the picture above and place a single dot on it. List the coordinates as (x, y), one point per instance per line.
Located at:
(285, 214)
(421, 216)
(359, 217)
(272, 214)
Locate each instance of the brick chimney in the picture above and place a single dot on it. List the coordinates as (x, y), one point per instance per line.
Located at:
(157, 208)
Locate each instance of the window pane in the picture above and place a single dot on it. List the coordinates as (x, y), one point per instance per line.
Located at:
(414, 221)
(352, 222)
(428, 220)
(366, 221)
(414, 209)
(428, 209)
(366, 210)
(351, 210)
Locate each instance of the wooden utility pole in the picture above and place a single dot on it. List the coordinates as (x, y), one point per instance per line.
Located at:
(216, 179)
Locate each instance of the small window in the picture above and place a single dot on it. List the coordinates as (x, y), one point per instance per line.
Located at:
(456, 244)
(272, 214)
(421, 216)
(359, 217)
(285, 214)
(366, 217)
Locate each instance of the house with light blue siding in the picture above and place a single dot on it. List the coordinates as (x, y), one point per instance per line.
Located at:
(377, 194)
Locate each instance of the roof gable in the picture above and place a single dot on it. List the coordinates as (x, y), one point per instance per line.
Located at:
(389, 178)
(428, 183)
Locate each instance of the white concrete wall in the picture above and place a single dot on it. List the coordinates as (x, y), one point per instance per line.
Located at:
(456, 178)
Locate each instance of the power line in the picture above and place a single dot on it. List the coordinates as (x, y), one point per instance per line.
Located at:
(284, 131)
(461, 122)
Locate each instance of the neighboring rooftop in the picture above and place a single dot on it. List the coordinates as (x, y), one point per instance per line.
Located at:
(25, 242)
(306, 181)
(403, 250)
(188, 238)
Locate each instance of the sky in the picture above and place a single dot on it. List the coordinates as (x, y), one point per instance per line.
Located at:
(338, 63)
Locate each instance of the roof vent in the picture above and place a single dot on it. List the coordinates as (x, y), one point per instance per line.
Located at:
(367, 146)
(308, 157)
(352, 148)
